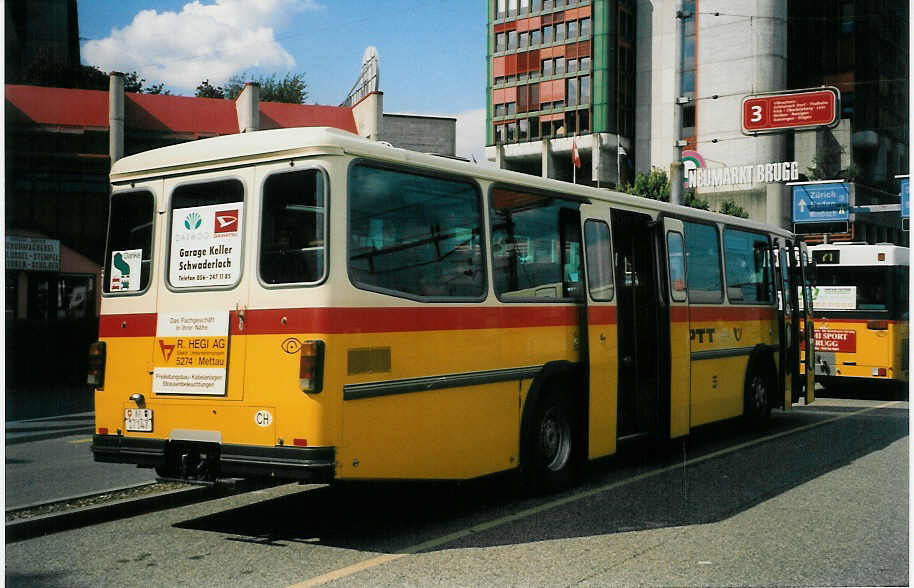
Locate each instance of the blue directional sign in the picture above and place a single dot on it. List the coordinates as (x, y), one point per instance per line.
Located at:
(905, 198)
(821, 203)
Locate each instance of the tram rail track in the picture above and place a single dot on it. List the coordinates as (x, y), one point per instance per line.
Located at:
(82, 510)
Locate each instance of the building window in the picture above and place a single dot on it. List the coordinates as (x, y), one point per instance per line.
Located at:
(547, 5)
(512, 108)
(512, 8)
(523, 129)
(512, 40)
(499, 134)
(585, 27)
(512, 132)
(571, 92)
(524, 7)
(547, 68)
(537, 5)
(524, 40)
(572, 65)
(585, 64)
(500, 42)
(585, 90)
(536, 37)
(548, 35)
(559, 3)
(500, 10)
(560, 32)
(559, 66)
(573, 29)
(499, 110)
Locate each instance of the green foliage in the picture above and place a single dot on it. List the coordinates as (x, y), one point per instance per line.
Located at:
(291, 89)
(653, 185)
(42, 72)
(158, 89)
(207, 90)
(133, 82)
(690, 199)
(733, 209)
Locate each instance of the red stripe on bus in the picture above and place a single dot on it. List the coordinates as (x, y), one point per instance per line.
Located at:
(127, 325)
(399, 319)
(372, 320)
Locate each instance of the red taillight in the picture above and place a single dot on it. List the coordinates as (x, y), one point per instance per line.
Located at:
(103, 430)
(96, 377)
(877, 325)
(300, 442)
(311, 366)
(881, 372)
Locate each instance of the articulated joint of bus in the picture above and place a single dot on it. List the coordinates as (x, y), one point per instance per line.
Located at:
(205, 461)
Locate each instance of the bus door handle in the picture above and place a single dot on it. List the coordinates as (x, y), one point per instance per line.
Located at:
(627, 361)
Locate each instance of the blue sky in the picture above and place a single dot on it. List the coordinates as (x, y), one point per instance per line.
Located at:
(432, 54)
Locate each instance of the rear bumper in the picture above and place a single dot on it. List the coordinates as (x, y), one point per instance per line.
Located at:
(310, 464)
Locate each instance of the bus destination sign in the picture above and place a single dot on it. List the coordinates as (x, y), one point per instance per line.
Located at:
(794, 110)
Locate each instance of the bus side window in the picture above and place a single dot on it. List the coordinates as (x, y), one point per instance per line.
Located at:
(293, 227)
(705, 284)
(128, 263)
(599, 260)
(676, 264)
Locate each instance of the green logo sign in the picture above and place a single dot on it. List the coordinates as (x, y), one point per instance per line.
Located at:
(193, 221)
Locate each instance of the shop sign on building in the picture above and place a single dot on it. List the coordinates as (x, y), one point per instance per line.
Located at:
(818, 203)
(32, 254)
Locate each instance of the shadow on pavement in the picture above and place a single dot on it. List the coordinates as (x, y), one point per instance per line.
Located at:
(652, 488)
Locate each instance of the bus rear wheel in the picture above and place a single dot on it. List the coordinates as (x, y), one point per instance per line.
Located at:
(551, 444)
(758, 397)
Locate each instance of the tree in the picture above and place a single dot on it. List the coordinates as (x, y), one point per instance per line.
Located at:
(733, 209)
(207, 90)
(653, 185)
(133, 82)
(291, 89)
(158, 89)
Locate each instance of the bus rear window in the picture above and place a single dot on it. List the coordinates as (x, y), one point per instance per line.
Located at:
(128, 261)
(206, 222)
(292, 233)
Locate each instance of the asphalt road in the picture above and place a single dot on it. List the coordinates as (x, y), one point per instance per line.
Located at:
(51, 469)
(819, 499)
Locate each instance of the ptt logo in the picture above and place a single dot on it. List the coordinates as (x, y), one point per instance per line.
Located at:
(226, 221)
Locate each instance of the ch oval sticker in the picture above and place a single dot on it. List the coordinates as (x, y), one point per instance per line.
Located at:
(263, 418)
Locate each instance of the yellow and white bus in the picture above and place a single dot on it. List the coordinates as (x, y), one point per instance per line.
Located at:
(860, 305)
(304, 304)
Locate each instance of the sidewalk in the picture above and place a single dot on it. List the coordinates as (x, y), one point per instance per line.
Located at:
(49, 427)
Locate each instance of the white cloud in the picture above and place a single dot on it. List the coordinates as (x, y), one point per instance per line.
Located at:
(203, 41)
(471, 135)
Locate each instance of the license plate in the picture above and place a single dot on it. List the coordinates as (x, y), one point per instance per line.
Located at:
(138, 419)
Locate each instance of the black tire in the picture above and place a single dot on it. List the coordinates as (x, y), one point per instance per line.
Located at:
(551, 444)
(758, 393)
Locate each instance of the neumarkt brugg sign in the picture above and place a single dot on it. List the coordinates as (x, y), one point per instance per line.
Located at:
(743, 175)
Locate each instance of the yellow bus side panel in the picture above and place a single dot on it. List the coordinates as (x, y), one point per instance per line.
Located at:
(127, 371)
(717, 389)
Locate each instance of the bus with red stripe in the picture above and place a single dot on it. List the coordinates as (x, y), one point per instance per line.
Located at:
(303, 304)
(860, 305)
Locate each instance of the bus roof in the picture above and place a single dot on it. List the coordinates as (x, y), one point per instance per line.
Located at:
(291, 143)
(862, 254)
